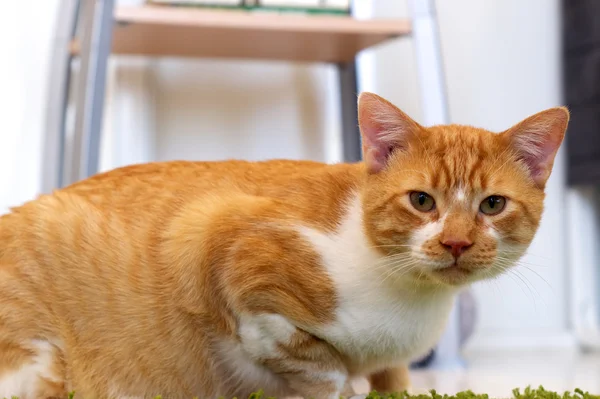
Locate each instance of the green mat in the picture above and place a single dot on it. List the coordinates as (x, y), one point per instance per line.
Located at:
(528, 393)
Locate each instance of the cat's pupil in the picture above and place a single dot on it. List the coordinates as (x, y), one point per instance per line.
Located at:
(422, 199)
(492, 202)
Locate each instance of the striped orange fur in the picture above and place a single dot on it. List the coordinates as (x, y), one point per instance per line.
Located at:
(220, 278)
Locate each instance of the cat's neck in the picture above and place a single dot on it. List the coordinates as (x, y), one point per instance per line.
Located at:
(358, 264)
(377, 313)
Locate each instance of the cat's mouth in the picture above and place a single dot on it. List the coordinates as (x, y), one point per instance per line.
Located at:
(453, 273)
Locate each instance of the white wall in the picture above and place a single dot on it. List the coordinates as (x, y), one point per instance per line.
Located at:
(253, 110)
(25, 44)
(583, 210)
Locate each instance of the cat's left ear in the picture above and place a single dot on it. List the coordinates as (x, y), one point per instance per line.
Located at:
(536, 141)
(384, 128)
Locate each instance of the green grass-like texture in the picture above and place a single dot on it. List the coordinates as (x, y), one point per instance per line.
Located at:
(528, 393)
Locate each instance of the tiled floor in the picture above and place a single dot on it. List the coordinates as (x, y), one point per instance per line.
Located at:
(497, 374)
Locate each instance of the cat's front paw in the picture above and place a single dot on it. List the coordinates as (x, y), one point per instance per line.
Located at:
(263, 334)
(310, 366)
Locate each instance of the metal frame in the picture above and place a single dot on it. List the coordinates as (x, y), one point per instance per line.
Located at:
(95, 36)
(80, 156)
(58, 93)
(90, 22)
(351, 138)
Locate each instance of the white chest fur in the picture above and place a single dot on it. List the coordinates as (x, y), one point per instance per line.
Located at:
(378, 323)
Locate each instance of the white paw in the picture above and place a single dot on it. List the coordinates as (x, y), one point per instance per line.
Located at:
(24, 382)
(261, 334)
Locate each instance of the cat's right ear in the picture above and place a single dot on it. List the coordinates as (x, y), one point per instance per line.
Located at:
(384, 129)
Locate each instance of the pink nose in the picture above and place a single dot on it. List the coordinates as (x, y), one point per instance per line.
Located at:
(456, 247)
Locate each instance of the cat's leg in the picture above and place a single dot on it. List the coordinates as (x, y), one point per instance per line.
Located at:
(310, 367)
(31, 369)
(272, 278)
(391, 380)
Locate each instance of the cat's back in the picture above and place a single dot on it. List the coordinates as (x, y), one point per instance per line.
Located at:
(136, 199)
(146, 196)
(210, 175)
(158, 189)
(127, 210)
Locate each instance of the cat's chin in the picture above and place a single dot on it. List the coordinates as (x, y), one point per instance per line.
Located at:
(454, 274)
(436, 279)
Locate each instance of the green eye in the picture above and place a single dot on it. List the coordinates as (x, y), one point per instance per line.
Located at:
(422, 201)
(492, 205)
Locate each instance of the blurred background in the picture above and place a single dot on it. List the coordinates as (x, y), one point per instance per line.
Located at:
(144, 82)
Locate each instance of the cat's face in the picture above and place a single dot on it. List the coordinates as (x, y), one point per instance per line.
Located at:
(454, 204)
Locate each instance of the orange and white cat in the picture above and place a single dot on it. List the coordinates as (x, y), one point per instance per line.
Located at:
(216, 279)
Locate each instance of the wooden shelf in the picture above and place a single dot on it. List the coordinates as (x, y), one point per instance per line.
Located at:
(189, 32)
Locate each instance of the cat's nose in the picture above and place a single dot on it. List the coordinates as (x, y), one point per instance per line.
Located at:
(456, 247)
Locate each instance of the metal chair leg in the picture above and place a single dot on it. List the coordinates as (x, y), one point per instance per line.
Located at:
(96, 21)
(351, 140)
(58, 93)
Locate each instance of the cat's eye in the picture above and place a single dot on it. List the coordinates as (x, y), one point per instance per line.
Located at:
(492, 205)
(422, 201)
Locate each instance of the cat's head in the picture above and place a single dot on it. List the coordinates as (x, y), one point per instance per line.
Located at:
(454, 204)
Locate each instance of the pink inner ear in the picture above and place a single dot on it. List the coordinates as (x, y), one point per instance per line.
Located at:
(384, 128)
(376, 156)
(376, 146)
(537, 151)
(537, 140)
(537, 157)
